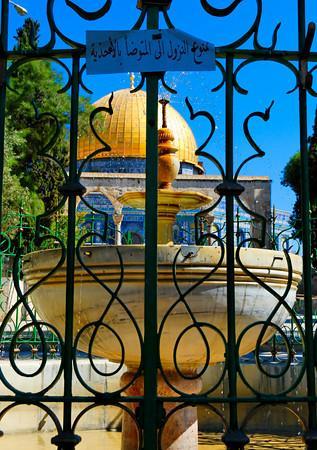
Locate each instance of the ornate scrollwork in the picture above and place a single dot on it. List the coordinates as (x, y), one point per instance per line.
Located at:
(88, 15)
(259, 153)
(48, 412)
(200, 151)
(33, 322)
(41, 238)
(81, 12)
(81, 82)
(223, 75)
(278, 60)
(253, 30)
(220, 12)
(161, 76)
(268, 323)
(101, 323)
(259, 408)
(113, 290)
(125, 409)
(27, 59)
(214, 411)
(183, 295)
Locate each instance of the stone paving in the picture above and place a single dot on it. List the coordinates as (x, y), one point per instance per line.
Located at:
(101, 440)
(257, 442)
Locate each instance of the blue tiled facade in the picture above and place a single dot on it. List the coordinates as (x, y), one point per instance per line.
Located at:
(129, 165)
(99, 213)
(132, 227)
(99, 208)
(283, 231)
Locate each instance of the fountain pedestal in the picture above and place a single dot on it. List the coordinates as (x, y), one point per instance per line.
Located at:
(181, 430)
(169, 201)
(169, 204)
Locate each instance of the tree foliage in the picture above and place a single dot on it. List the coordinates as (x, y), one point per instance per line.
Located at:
(16, 196)
(291, 177)
(35, 111)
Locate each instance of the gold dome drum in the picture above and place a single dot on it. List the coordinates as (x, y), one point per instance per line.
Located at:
(125, 129)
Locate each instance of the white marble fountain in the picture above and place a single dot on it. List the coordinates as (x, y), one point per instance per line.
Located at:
(208, 301)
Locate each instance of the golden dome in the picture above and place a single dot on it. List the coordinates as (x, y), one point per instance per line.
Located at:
(124, 130)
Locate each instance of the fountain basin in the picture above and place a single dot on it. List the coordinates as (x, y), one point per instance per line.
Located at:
(208, 301)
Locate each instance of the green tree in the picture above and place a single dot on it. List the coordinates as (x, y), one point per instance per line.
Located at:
(34, 87)
(19, 204)
(291, 178)
(15, 196)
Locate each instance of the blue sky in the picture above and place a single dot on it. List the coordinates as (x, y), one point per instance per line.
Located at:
(279, 137)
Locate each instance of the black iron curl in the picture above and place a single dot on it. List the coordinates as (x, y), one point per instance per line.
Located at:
(199, 151)
(88, 15)
(168, 21)
(268, 323)
(94, 113)
(223, 75)
(195, 324)
(215, 411)
(81, 12)
(48, 412)
(220, 12)
(161, 76)
(105, 147)
(100, 323)
(121, 407)
(81, 82)
(25, 60)
(252, 413)
(138, 24)
(253, 30)
(259, 153)
(33, 322)
(276, 59)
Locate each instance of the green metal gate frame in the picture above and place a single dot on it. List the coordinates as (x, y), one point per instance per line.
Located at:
(151, 413)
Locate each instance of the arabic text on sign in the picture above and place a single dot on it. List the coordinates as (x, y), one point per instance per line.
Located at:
(147, 51)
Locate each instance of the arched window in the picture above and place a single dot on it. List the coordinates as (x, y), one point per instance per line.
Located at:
(132, 227)
(95, 209)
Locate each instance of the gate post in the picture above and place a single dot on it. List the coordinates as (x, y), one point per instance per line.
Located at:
(304, 49)
(150, 354)
(3, 69)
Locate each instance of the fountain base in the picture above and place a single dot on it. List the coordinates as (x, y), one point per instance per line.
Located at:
(180, 431)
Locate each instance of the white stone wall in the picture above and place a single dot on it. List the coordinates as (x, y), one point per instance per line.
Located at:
(28, 418)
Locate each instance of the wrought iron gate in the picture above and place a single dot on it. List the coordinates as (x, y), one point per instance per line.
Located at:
(152, 411)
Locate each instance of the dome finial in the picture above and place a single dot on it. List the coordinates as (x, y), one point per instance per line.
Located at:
(164, 102)
(132, 78)
(168, 165)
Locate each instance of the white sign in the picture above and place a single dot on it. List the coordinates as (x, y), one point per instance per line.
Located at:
(147, 51)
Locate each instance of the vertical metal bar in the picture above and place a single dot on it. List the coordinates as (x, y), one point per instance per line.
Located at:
(311, 436)
(3, 68)
(71, 243)
(150, 289)
(2, 302)
(233, 438)
(231, 320)
(68, 440)
(274, 244)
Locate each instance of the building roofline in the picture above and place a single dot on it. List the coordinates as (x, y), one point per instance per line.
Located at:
(179, 177)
